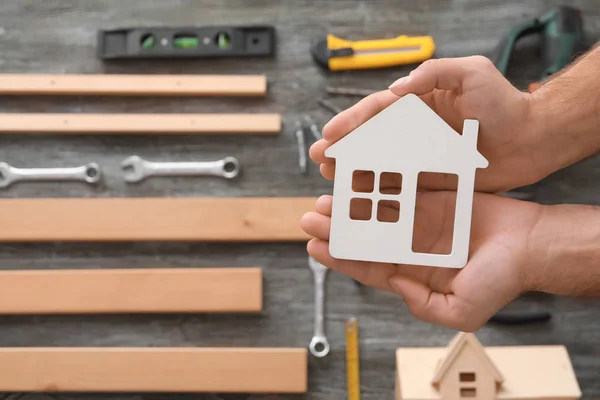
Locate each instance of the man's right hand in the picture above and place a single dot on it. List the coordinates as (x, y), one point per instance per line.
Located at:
(459, 89)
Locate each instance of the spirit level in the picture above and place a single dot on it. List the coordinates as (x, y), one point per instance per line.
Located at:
(189, 42)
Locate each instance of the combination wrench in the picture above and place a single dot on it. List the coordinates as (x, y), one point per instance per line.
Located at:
(89, 173)
(136, 169)
(319, 346)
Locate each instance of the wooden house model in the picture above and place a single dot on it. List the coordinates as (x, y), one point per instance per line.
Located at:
(467, 370)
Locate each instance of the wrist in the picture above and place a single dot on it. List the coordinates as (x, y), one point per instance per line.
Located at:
(538, 245)
(565, 251)
(537, 129)
(552, 146)
(564, 116)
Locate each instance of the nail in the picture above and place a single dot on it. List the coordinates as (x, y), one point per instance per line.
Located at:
(402, 81)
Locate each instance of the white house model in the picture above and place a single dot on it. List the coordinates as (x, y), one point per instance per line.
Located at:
(403, 140)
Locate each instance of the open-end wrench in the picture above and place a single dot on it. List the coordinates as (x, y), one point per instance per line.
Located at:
(136, 169)
(89, 173)
(319, 346)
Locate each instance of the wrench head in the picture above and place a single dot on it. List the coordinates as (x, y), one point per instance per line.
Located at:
(6, 177)
(231, 167)
(319, 346)
(133, 169)
(316, 266)
(93, 173)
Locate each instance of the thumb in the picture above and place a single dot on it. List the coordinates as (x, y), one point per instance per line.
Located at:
(443, 73)
(430, 306)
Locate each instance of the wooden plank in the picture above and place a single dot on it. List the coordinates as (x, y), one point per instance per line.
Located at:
(255, 219)
(185, 290)
(133, 85)
(223, 370)
(140, 123)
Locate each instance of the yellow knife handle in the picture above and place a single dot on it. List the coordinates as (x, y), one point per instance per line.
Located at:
(370, 54)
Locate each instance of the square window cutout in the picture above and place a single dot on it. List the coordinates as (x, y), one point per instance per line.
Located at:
(468, 393)
(361, 209)
(390, 183)
(388, 211)
(363, 181)
(467, 376)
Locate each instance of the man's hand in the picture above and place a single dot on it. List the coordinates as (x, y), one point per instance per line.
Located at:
(458, 89)
(464, 299)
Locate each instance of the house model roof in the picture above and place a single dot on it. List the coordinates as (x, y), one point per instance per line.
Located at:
(453, 351)
(411, 133)
(526, 372)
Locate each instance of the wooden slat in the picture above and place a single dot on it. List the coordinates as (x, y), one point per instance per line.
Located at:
(140, 123)
(246, 370)
(131, 291)
(133, 85)
(255, 219)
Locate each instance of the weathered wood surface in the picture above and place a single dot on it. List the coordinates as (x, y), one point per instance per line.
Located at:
(59, 37)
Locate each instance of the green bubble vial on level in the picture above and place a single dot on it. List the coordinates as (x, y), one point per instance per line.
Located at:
(148, 42)
(186, 42)
(223, 40)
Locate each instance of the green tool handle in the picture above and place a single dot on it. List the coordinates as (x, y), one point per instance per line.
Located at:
(563, 40)
(503, 52)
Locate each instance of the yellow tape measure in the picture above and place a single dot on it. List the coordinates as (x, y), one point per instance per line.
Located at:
(352, 365)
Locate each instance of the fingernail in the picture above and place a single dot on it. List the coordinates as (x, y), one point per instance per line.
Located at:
(399, 82)
(325, 129)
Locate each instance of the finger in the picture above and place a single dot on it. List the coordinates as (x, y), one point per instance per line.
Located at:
(319, 250)
(443, 73)
(350, 119)
(429, 306)
(316, 225)
(328, 170)
(370, 274)
(437, 181)
(324, 205)
(317, 151)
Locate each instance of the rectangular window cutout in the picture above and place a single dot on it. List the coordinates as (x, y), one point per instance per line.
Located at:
(361, 209)
(390, 183)
(467, 377)
(388, 211)
(468, 393)
(363, 181)
(435, 211)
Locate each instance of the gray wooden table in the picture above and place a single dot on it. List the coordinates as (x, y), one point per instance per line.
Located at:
(59, 36)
